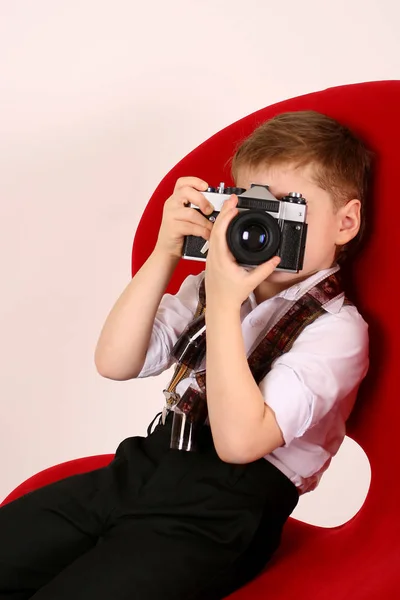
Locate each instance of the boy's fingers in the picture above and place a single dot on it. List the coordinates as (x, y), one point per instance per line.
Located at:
(195, 182)
(187, 195)
(193, 216)
(223, 220)
(264, 270)
(229, 203)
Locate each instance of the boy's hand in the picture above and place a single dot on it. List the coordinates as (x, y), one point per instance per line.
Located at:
(178, 221)
(227, 283)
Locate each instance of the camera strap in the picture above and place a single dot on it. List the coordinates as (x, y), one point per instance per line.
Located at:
(272, 341)
(182, 371)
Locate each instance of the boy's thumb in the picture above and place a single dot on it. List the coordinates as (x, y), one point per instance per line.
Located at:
(264, 270)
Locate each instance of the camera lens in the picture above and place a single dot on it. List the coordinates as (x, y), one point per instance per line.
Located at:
(253, 237)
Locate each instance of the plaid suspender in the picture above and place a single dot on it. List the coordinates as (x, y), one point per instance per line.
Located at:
(271, 344)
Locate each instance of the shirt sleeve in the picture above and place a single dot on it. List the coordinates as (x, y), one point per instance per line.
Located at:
(325, 364)
(173, 314)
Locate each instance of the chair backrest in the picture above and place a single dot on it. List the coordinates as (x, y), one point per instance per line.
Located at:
(372, 111)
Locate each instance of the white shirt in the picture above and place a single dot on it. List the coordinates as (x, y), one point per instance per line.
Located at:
(311, 388)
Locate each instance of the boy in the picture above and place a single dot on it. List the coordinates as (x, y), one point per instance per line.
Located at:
(160, 523)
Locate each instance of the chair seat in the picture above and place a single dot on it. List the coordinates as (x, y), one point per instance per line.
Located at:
(58, 472)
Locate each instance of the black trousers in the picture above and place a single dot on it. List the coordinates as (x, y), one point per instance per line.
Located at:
(154, 524)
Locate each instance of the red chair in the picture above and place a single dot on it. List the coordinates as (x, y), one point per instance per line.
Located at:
(361, 559)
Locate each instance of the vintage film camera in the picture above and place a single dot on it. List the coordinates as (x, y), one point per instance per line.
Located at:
(265, 227)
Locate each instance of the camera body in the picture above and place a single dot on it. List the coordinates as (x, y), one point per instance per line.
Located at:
(264, 227)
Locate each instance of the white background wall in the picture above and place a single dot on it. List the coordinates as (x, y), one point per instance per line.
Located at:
(99, 99)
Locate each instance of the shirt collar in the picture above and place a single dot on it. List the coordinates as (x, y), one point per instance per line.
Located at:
(295, 291)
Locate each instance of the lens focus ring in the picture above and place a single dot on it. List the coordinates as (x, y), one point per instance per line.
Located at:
(253, 237)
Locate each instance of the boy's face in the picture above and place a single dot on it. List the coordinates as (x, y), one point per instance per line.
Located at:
(327, 227)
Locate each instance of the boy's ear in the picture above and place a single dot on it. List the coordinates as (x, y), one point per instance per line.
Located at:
(349, 220)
